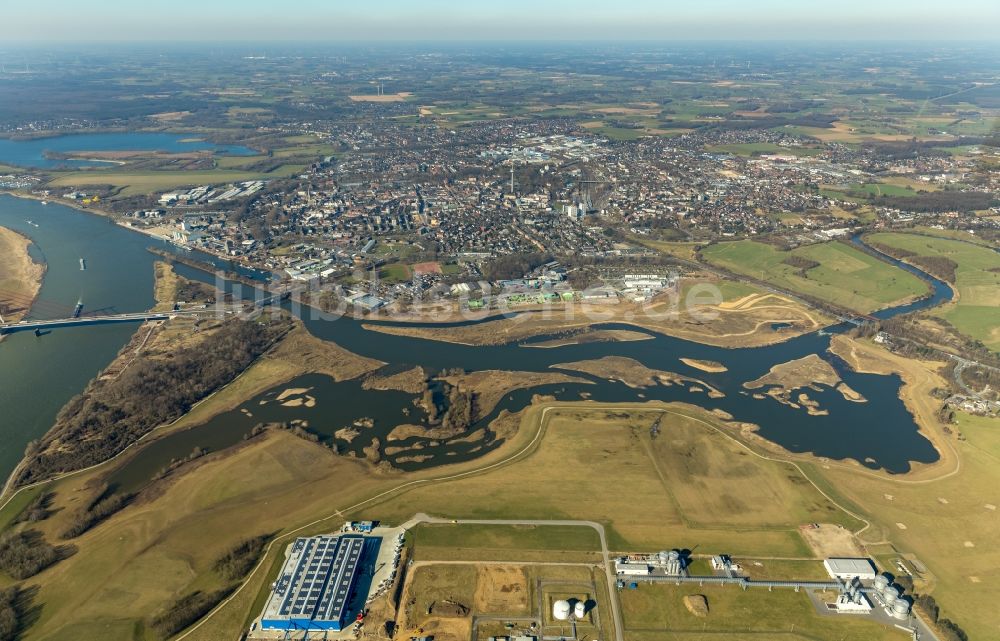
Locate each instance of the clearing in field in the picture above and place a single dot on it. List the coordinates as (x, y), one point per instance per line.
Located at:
(833, 272)
(422, 269)
(501, 589)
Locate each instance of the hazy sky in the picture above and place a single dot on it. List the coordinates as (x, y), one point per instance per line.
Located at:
(338, 20)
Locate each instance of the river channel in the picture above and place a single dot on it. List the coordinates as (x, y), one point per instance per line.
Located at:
(39, 374)
(43, 152)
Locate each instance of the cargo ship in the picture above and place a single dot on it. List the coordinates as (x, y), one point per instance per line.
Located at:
(78, 309)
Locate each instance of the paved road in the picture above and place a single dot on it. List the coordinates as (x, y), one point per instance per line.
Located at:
(608, 571)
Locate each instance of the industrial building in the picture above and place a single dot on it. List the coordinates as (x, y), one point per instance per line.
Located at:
(891, 598)
(847, 569)
(316, 585)
(666, 563)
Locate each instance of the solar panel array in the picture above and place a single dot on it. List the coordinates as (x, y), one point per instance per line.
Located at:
(319, 587)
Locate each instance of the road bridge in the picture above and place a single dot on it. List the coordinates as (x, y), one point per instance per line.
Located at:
(83, 321)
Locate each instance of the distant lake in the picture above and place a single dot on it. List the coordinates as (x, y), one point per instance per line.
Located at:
(31, 153)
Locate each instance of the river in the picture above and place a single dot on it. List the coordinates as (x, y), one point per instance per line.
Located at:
(32, 152)
(39, 374)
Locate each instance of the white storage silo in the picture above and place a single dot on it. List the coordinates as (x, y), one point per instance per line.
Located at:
(881, 583)
(580, 610)
(560, 610)
(901, 608)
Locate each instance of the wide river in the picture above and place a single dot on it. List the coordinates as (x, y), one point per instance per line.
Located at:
(33, 152)
(38, 375)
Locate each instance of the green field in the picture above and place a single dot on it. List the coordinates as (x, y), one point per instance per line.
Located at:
(395, 273)
(658, 612)
(471, 542)
(977, 278)
(691, 486)
(140, 183)
(845, 276)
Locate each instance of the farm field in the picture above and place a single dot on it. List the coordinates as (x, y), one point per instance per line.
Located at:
(844, 276)
(976, 313)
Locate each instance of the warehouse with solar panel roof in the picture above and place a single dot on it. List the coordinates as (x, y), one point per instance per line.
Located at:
(326, 581)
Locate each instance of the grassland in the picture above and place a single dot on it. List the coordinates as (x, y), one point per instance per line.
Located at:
(679, 485)
(976, 312)
(677, 249)
(658, 612)
(395, 273)
(470, 542)
(20, 276)
(146, 182)
(279, 482)
(947, 526)
(845, 276)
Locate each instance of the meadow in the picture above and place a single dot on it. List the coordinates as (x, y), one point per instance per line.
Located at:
(147, 182)
(844, 276)
(976, 313)
(658, 612)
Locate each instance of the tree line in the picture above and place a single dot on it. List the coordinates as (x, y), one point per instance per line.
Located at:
(26, 553)
(112, 414)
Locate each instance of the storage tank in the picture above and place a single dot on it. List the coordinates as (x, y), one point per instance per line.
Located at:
(891, 593)
(881, 583)
(664, 557)
(580, 610)
(674, 555)
(560, 610)
(901, 608)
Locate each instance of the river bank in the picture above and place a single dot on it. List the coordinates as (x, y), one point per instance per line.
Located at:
(757, 320)
(920, 379)
(20, 276)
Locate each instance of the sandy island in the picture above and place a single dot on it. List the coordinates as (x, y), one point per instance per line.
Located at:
(808, 371)
(20, 276)
(712, 367)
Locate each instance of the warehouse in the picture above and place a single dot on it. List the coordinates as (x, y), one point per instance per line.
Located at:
(316, 585)
(848, 569)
